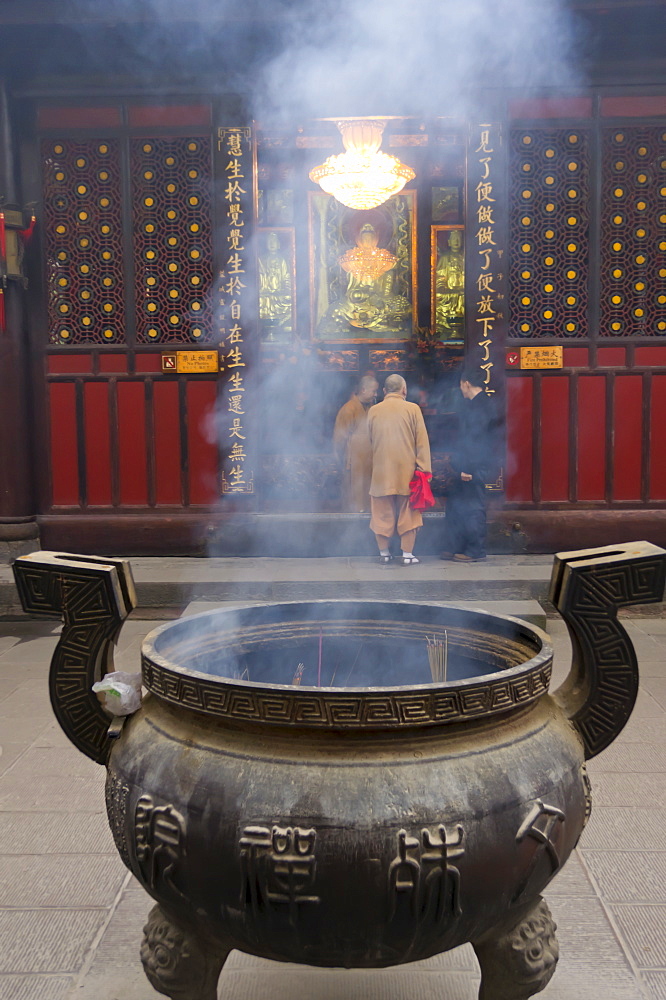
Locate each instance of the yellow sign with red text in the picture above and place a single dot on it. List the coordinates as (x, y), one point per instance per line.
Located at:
(191, 362)
(541, 357)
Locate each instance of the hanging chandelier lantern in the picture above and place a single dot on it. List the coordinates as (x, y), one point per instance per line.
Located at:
(362, 177)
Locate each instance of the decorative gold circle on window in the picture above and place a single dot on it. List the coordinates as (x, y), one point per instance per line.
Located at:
(642, 178)
(550, 207)
(572, 165)
(548, 314)
(107, 282)
(85, 294)
(103, 149)
(571, 300)
(618, 192)
(572, 220)
(550, 153)
(62, 255)
(640, 259)
(193, 200)
(58, 148)
(151, 280)
(527, 140)
(86, 321)
(549, 234)
(107, 307)
(83, 216)
(573, 138)
(549, 288)
(149, 202)
(549, 261)
(195, 227)
(662, 219)
(84, 242)
(197, 331)
(80, 162)
(192, 174)
(63, 308)
(195, 254)
(570, 327)
(81, 189)
(571, 275)
(108, 333)
(617, 272)
(642, 150)
(527, 167)
(173, 266)
(662, 272)
(572, 193)
(63, 282)
(618, 220)
(549, 179)
(104, 202)
(526, 221)
(148, 175)
(152, 332)
(174, 319)
(149, 227)
(616, 300)
(196, 280)
(151, 307)
(173, 241)
(106, 255)
(171, 214)
(572, 247)
(616, 326)
(60, 176)
(662, 192)
(526, 247)
(525, 327)
(192, 147)
(196, 306)
(170, 161)
(661, 325)
(103, 175)
(641, 234)
(616, 247)
(105, 230)
(639, 312)
(64, 333)
(173, 293)
(662, 246)
(527, 194)
(84, 268)
(620, 165)
(171, 188)
(147, 148)
(661, 300)
(619, 137)
(150, 255)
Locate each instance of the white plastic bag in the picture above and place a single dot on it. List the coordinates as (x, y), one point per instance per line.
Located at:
(120, 692)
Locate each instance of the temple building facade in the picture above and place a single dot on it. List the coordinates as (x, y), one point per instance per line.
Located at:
(184, 309)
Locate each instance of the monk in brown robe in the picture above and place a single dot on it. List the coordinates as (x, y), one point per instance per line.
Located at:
(400, 446)
(351, 443)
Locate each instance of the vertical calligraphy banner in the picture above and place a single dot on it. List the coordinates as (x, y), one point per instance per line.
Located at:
(487, 255)
(237, 304)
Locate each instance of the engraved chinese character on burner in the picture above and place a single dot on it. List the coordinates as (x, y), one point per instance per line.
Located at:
(160, 835)
(278, 869)
(423, 876)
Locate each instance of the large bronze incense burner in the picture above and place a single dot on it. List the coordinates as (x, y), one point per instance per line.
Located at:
(296, 785)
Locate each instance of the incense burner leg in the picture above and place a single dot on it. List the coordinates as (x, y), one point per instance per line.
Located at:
(176, 962)
(518, 961)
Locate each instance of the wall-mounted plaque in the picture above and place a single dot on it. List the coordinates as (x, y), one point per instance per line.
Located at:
(541, 357)
(191, 362)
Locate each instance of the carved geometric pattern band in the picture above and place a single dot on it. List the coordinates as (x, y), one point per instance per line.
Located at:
(93, 603)
(346, 710)
(601, 691)
(549, 232)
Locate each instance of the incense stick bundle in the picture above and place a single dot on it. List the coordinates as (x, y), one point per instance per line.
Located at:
(438, 655)
(298, 676)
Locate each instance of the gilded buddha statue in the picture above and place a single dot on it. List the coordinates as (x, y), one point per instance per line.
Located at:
(275, 291)
(370, 304)
(450, 288)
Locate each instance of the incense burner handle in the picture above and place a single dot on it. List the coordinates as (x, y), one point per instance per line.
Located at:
(587, 587)
(94, 596)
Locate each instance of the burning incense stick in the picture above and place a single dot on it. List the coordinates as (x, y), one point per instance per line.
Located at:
(438, 657)
(299, 674)
(321, 636)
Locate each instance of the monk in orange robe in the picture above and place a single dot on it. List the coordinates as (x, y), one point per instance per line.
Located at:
(351, 443)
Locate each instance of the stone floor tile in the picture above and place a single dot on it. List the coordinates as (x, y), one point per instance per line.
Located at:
(655, 982)
(47, 940)
(9, 754)
(55, 833)
(642, 730)
(572, 880)
(60, 880)
(22, 729)
(656, 686)
(652, 626)
(623, 829)
(643, 927)
(7, 686)
(33, 987)
(30, 697)
(641, 791)
(352, 984)
(646, 706)
(590, 981)
(49, 793)
(628, 876)
(53, 736)
(33, 651)
(630, 757)
(68, 761)
(7, 641)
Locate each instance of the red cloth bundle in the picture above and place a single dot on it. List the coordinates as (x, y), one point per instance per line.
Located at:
(420, 494)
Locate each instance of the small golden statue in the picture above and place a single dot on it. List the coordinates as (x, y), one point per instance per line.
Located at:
(275, 291)
(450, 289)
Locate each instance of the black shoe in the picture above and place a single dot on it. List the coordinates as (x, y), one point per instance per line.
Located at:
(385, 560)
(446, 555)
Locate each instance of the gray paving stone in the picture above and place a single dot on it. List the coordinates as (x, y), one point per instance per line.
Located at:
(31, 697)
(68, 761)
(7, 641)
(34, 987)
(642, 730)
(53, 736)
(9, 754)
(630, 757)
(22, 729)
(647, 707)
(33, 651)
(55, 833)
(47, 940)
(628, 876)
(655, 983)
(571, 880)
(49, 793)
(656, 686)
(60, 880)
(338, 984)
(638, 791)
(623, 829)
(643, 927)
